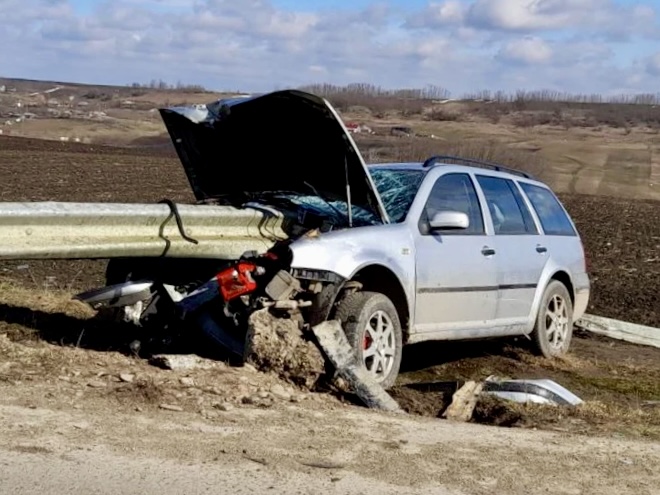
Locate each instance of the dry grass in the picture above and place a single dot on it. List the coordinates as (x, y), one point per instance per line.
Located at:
(590, 417)
(50, 315)
(377, 149)
(525, 109)
(618, 382)
(568, 115)
(43, 299)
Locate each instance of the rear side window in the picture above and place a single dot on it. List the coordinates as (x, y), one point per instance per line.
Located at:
(550, 212)
(507, 207)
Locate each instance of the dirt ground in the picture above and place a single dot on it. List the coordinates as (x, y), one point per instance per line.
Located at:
(98, 443)
(60, 372)
(84, 420)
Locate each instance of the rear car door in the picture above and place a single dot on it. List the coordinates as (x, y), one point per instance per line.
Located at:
(455, 269)
(520, 254)
(561, 239)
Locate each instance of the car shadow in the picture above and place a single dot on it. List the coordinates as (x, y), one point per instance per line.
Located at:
(425, 355)
(100, 334)
(96, 333)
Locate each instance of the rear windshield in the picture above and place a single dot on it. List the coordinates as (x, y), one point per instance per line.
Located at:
(554, 219)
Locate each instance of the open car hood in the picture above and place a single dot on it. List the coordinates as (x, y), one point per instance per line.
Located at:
(282, 141)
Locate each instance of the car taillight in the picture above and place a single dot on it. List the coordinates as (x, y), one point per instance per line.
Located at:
(237, 280)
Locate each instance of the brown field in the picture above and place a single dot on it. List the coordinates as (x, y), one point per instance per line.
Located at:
(608, 176)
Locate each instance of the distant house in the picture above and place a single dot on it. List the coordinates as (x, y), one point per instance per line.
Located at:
(355, 128)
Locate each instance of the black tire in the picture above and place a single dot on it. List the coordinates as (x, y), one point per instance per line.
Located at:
(358, 310)
(556, 299)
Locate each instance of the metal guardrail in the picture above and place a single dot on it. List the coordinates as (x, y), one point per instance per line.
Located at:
(620, 330)
(53, 230)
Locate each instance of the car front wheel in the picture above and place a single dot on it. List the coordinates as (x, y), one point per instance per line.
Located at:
(373, 329)
(553, 331)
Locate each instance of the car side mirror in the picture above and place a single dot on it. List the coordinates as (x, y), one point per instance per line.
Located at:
(449, 220)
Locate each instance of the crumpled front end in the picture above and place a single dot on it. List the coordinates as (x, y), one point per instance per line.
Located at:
(291, 142)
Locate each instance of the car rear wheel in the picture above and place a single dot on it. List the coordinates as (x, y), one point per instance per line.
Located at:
(553, 331)
(373, 329)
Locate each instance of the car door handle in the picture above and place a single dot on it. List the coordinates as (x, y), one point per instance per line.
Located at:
(541, 249)
(486, 251)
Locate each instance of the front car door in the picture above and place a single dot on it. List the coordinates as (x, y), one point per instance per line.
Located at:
(456, 270)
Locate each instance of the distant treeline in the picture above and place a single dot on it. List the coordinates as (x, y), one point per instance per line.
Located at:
(563, 97)
(521, 108)
(364, 90)
(164, 85)
(370, 90)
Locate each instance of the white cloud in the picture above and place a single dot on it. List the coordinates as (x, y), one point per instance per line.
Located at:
(599, 17)
(253, 45)
(529, 50)
(318, 69)
(439, 14)
(258, 17)
(568, 54)
(531, 14)
(653, 64)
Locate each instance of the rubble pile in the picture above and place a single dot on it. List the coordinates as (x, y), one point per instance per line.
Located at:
(276, 344)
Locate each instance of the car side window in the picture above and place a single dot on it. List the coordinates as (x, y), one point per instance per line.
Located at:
(456, 192)
(507, 207)
(550, 212)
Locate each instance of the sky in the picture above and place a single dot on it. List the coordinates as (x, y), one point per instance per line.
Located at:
(578, 46)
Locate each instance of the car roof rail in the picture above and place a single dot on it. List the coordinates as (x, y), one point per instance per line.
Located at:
(471, 161)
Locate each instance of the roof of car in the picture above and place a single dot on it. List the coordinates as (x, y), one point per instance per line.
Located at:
(401, 165)
(457, 163)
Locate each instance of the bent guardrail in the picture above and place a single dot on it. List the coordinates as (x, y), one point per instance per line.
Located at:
(56, 230)
(620, 330)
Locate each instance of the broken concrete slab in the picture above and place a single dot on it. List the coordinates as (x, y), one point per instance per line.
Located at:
(181, 362)
(126, 377)
(277, 344)
(463, 402)
(171, 407)
(332, 339)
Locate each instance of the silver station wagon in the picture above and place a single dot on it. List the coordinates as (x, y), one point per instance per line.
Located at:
(399, 253)
(480, 251)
